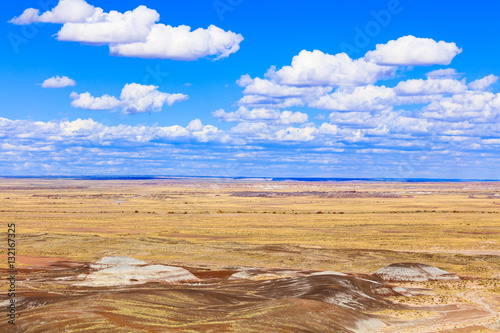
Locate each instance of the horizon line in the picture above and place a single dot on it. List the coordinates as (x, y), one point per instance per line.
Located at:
(267, 178)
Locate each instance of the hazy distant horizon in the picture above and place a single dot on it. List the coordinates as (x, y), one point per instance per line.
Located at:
(264, 178)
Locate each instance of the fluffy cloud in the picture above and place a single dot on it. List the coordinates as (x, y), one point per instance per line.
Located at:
(244, 113)
(368, 121)
(430, 87)
(289, 117)
(259, 114)
(367, 115)
(365, 98)
(204, 133)
(265, 87)
(484, 83)
(303, 134)
(139, 98)
(82, 131)
(112, 27)
(65, 11)
(29, 16)
(134, 33)
(58, 82)
(89, 102)
(322, 69)
(385, 123)
(328, 129)
(261, 132)
(180, 43)
(385, 139)
(355, 118)
(312, 76)
(411, 51)
(446, 73)
(134, 98)
(474, 106)
(270, 102)
(385, 128)
(256, 129)
(309, 79)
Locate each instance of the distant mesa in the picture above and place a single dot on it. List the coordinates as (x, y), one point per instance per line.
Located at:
(413, 272)
(123, 271)
(338, 195)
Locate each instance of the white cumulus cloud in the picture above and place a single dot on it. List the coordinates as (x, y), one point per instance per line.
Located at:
(134, 98)
(134, 33)
(430, 87)
(89, 102)
(484, 83)
(303, 134)
(473, 106)
(139, 98)
(317, 68)
(364, 98)
(180, 43)
(289, 117)
(112, 27)
(444, 73)
(259, 114)
(58, 82)
(265, 87)
(65, 11)
(411, 51)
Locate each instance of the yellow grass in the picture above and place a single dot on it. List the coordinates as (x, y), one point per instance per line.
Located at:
(198, 223)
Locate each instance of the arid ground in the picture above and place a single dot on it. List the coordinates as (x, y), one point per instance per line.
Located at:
(273, 235)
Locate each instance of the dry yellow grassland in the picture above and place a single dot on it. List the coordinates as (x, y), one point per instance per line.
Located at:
(202, 224)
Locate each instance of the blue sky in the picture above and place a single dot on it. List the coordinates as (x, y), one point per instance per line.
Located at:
(393, 88)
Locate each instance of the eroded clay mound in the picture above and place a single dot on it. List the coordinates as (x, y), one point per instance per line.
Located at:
(345, 291)
(257, 275)
(122, 271)
(107, 262)
(328, 273)
(413, 272)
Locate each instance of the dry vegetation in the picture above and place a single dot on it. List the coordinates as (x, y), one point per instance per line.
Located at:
(208, 224)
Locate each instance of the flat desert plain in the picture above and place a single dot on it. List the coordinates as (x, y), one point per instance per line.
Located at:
(251, 255)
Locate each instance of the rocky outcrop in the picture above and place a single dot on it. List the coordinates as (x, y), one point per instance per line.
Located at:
(328, 273)
(107, 262)
(257, 275)
(413, 272)
(122, 271)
